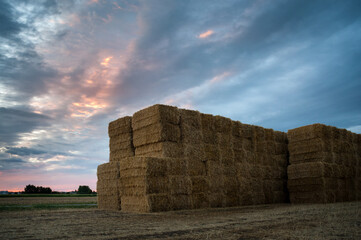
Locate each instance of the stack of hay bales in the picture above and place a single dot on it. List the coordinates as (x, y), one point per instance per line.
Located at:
(324, 163)
(182, 159)
(107, 186)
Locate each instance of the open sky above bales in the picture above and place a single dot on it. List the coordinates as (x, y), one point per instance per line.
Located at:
(67, 68)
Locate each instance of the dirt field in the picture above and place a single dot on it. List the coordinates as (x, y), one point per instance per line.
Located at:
(44, 200)
(330, 221)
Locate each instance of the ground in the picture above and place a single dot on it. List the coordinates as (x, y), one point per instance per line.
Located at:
(285, 221)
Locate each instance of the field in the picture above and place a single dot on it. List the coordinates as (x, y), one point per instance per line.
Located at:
(285, 221)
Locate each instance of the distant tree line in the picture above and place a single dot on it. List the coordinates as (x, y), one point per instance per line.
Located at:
(37, 189)
(40, 189)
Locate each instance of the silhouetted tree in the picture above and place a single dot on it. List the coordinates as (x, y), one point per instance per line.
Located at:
(84, 190)
(32, 189)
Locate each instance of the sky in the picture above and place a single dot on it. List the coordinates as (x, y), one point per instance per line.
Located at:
(68, 68)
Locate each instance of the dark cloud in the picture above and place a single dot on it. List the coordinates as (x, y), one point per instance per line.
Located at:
(8, 27)
(14, 122)
(23, 151)
(11, 163)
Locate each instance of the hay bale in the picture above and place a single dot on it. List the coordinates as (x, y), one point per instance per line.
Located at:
(237, 143)
(306, 170)
(247, 131)
(159, 202)
(280, 197)
(177, 166)
(222, 124)
(248, 145)
(224, 139)
(120, 126)
(155, 114)
(280, 148)
(180, 185)
(121, 142)
(308, 146)
(327, 157)
(137, 204)
(158, 132)
(308, 197)
(236, 129)
(160, 149)
(211, 152)
(216, 200)
(242, 170)
(197, 167)
(180, 202)
(108, 171)
(269, 135)
(259, 134)
(118, 155)
(280, 160)
(190, 135)
(226, 156)
(309, 132)
(191, 118)
(280, 137)
(200, 200)
(194, 151)
(200, 184)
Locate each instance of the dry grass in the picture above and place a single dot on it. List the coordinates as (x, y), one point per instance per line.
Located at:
(316, 221)
(46, 200)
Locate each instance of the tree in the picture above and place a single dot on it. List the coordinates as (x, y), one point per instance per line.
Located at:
(30, 189)
(39, 189)
(84, 190)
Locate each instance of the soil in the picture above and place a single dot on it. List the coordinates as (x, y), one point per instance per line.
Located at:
(285, 221)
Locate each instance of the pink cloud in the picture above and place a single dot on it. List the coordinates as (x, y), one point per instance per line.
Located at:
(206, 34)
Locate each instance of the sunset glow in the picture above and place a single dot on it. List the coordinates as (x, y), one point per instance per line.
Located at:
(206, 34)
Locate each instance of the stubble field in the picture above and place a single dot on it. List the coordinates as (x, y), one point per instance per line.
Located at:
(285, 221)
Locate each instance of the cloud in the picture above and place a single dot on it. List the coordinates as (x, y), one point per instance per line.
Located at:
(206, 34)
(23, 151)
(13, 122)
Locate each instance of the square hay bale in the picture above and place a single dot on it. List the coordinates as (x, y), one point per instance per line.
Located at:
(280, 148)
(191, 118)
(308, 146)
(108, 171)
(229, 171)
(194, 151)
(120, 126)
(155, 114)
(309, 132)
(118, 155)
(224, 139)
(180, 185)
(157, 185)
(236, 129)
(230, 200)
(306, 170)
(269, 135)
(248, 145)
(160, 149)
(237, 143)
(108, 202)
(226, 156)
(260, 147)
(211, 152)
(180, 202)
(327, 157)
(216, 200)
(137, 204)
(197, 167)
(260, 135)
(190, 135)
(210, 136)
(216, 184)
(243, 170)
(223, 124)
(258, 197)
(158, 132)
(132, 181)
(214, 169)
(280, 137)
(271, 148)
(159, 202)
(200, 200)
(308, 197)
(247, 131)
(177, 166)
(280, 160)
(118, 143)
(156, 167)
(107, 186)
(207, 122)
(200, 184)
(241, 155)
(230, 186)
(280, 197)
